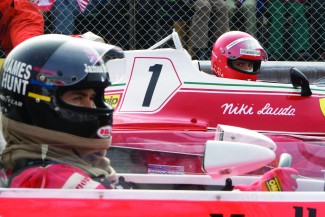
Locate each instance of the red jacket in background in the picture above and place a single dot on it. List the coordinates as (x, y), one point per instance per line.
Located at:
(19, 20)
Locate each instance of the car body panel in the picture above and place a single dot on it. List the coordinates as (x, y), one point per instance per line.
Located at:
(117, 203)
(186, 104)
(182, 96)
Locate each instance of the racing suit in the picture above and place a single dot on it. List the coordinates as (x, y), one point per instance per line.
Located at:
(45, 159)
(54, 175)
(19, 20)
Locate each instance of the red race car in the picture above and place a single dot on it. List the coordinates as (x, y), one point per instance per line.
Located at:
(166, 105)
(182, 137)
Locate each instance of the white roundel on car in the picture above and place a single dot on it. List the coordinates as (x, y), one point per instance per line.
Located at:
(152, 82)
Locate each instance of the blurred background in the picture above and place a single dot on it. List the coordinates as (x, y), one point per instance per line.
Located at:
(290, 30)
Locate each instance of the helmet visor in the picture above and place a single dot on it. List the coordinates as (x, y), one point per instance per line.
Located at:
(245, 48)
(76, 57)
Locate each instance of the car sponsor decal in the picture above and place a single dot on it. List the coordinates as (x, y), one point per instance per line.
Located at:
(322, 105)
(112, 99)
(250, 52)
(95, 69)
(165, 169)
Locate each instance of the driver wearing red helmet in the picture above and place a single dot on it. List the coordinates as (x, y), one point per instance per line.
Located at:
(237, 55)
(55, 120)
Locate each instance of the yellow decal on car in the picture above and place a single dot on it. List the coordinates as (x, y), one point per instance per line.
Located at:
(112, 99)
(322, 105)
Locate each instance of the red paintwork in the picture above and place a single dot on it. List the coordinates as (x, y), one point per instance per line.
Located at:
(54, 207)
(197, 102)
(179, 148)
(200, 110)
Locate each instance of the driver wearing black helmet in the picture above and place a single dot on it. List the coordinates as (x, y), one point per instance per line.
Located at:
(55, 121)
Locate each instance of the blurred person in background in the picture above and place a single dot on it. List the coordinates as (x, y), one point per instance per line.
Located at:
(242, 15)
(20, 20)
(289, 30)
(209, 16)
(178, 15)
(317, 23)
(63, 14)
(193, 27)
(194, 20)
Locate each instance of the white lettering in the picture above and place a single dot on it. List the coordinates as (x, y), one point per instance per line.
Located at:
(11, 101)
(15, 76)
(269, 110)
(95, 69)
(244, 109)
(237, 110)
(27, 72)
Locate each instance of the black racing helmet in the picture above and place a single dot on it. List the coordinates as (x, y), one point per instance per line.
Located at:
(38, 71)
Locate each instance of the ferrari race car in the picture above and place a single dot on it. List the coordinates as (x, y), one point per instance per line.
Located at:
(182, 138)
(166, 102)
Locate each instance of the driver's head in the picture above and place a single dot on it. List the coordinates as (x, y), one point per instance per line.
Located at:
(57, 82)
(237, 55)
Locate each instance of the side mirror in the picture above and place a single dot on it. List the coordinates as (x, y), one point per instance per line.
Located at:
(298, 79)
(243, 135)
(224, 159)
(236, 151)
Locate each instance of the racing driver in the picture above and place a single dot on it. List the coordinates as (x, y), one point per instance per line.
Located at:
(237, 55)
(55, 121)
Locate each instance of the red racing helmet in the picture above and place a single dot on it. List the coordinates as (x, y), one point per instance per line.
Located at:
(233, 46)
